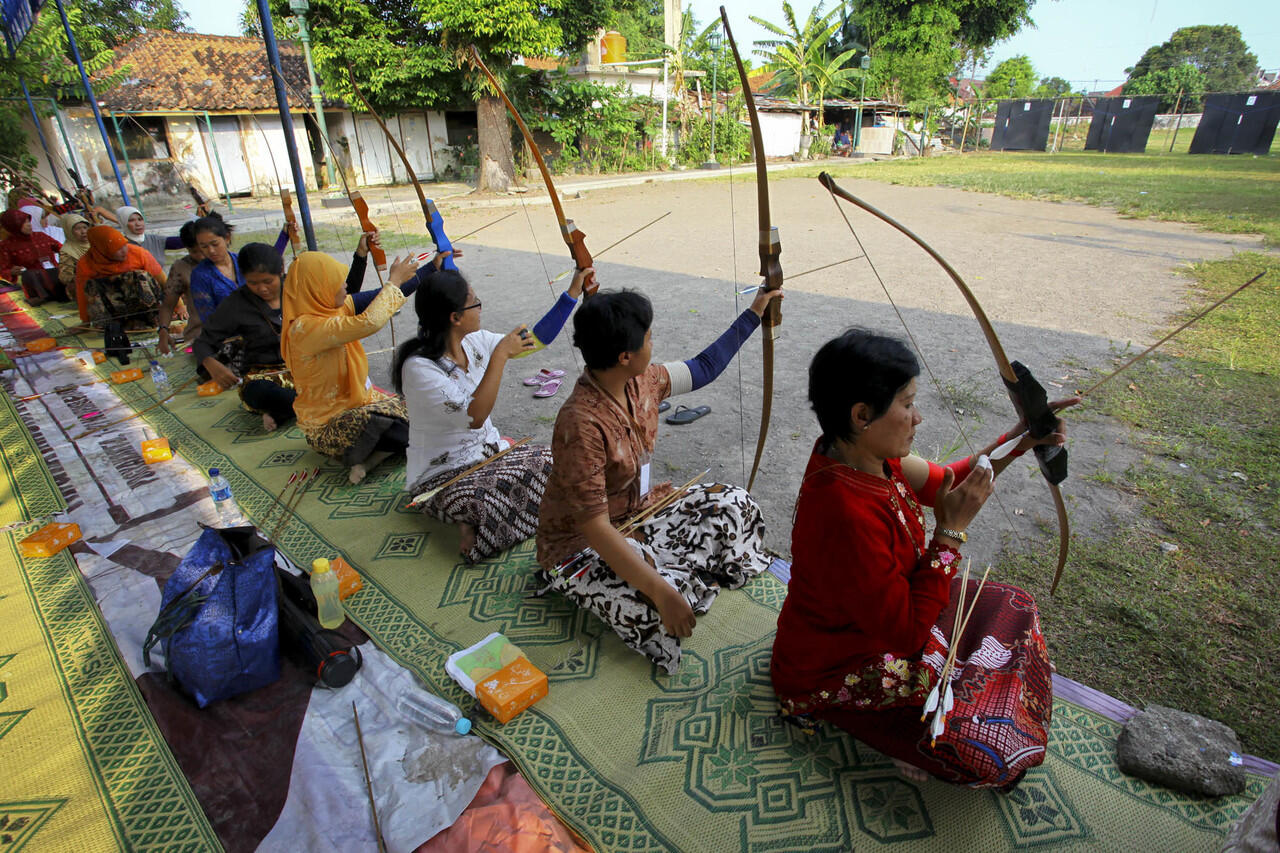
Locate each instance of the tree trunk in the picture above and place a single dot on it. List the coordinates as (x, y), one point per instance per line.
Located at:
(497, 168)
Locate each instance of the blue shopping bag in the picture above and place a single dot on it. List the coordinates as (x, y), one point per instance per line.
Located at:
(218, 618)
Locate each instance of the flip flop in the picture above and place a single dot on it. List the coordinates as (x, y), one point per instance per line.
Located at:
(543, 377)
(686, 415)
(663, 406)
(548, 389)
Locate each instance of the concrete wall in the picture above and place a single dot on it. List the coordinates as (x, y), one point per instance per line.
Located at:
(781, 133)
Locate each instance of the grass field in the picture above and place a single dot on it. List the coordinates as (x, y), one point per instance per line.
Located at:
(1193, 628)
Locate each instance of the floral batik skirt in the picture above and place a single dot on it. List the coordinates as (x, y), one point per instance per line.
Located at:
(352, 435)
(711, 538)
(133, 297)
(1001, 680)
(500, 500)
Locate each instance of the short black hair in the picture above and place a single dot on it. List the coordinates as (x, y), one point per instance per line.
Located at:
(860, 366)
(187, 234)
(259, 257)
(213, 224)
(610, 323)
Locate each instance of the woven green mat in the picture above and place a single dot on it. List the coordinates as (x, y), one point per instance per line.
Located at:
(85, 767)
(638, 761)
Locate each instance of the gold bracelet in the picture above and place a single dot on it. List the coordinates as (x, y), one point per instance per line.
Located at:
(958, 535)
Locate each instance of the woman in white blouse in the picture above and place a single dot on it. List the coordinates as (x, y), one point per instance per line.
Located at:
(449, 375)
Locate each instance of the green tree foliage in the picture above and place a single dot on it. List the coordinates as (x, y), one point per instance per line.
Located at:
(733, 138)
(1052, 87)
(117, 21)
(798, 49)
(1015, 77)
(1184, 80)
(1219, 52)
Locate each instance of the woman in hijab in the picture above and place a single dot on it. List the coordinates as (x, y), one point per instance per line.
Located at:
(134, 227)
(30, 258)
(339, 411)
(75, 248)
(118, 280)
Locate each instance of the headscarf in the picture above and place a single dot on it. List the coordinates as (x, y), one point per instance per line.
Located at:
(36, 212)
(74, 248)
(12, 221)
(122, 216)
(332, 380)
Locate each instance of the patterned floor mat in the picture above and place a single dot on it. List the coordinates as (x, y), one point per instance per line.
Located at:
(633, 759)
(84, 765)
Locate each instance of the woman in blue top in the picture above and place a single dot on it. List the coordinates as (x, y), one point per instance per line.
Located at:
(218, 275)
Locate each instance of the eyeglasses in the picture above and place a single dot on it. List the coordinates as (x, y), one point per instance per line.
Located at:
(469, 307)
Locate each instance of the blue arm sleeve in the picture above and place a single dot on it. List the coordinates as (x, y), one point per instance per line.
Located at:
(362, 299)
(419, 278)
(711, 362)
(355, 274)
(172, 244)
(281, 241)
(546, 329)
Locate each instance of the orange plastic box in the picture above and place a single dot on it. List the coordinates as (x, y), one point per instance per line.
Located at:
(208, 389)
(99, 356)
(512, 689)
(129, 374)
(349, 580)
(41, 345)
(156, 450)
(50, 539)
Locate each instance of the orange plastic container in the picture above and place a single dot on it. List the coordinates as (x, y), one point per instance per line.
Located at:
(156, 450)
(129, 374)
(99, 356)
(50, 539)
(208, 389)
(613, 47)
(41, 345)
(512, 689)
(349, 580)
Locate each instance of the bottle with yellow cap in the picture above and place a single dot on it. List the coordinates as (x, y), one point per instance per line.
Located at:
(324, 586)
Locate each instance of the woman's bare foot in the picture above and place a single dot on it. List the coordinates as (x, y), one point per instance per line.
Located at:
(466, 538)
(910, 772)
(361, 469)
(268, 422)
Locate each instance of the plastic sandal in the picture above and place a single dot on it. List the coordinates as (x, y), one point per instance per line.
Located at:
(543, 377)
(686, 415)
(548, 389)
(663, 406)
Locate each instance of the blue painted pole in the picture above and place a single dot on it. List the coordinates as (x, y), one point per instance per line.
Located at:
(44, 143)
(93, 100)
(291, 144)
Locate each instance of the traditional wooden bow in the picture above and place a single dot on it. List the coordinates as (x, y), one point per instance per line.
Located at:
(770, 252)
(286, 197)
(1028, 396)
(573, 236)
(434, 221)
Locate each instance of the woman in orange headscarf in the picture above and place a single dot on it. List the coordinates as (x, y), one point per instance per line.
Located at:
(118, 280)
(339, 411)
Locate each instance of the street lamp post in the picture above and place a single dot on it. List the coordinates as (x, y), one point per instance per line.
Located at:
(857, 122)
(714, 40)
(299, 9)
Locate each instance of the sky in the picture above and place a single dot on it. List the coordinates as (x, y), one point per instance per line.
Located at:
(1087, 42)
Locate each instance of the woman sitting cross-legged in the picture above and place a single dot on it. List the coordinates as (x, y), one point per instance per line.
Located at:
(646, 585)
(339, 411)
(870, 609)
(28, 257)
(119, 281)
(449, 375)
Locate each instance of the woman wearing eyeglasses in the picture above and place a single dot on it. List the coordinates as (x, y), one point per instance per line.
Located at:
(449, 375)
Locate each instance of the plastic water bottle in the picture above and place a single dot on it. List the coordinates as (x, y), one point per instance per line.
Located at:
(431, 712)
(324, 586)
(220, 491)
(161, 380)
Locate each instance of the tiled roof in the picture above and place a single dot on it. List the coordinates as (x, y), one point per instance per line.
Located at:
(193, 71)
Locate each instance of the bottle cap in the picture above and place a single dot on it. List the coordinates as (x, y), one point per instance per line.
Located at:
(319, 566)
(154, 363)
(463, 726)
(214, 472)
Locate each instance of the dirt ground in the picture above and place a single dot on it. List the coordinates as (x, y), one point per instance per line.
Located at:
(1067, 286)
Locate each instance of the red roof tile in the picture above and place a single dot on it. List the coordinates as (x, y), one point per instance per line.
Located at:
(193, 71)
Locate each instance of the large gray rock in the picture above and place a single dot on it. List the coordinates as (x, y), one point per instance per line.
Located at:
(1255, 832)
(1181, 751)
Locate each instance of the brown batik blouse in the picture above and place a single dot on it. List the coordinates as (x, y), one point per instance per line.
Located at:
(598, 450)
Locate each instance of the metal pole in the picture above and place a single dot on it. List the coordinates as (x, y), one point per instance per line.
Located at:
(291, 144)
(128, 167)
(715, 66)
(1177, 109)
(924, 129)
(316, 99)
(665, 92)
(857, 122)
(71, 154)
(44, 143)
(93, 100)
(213, 140)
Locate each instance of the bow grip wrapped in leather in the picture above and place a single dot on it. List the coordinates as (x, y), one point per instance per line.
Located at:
(1032, 402)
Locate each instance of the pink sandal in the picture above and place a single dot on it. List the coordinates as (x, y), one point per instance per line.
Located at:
(544, 376)
(548, 389)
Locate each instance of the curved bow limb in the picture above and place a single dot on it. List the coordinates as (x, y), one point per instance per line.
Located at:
(770, 252)
(286, 197)
(1026, 394)
(574, 237)
(430, 214)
